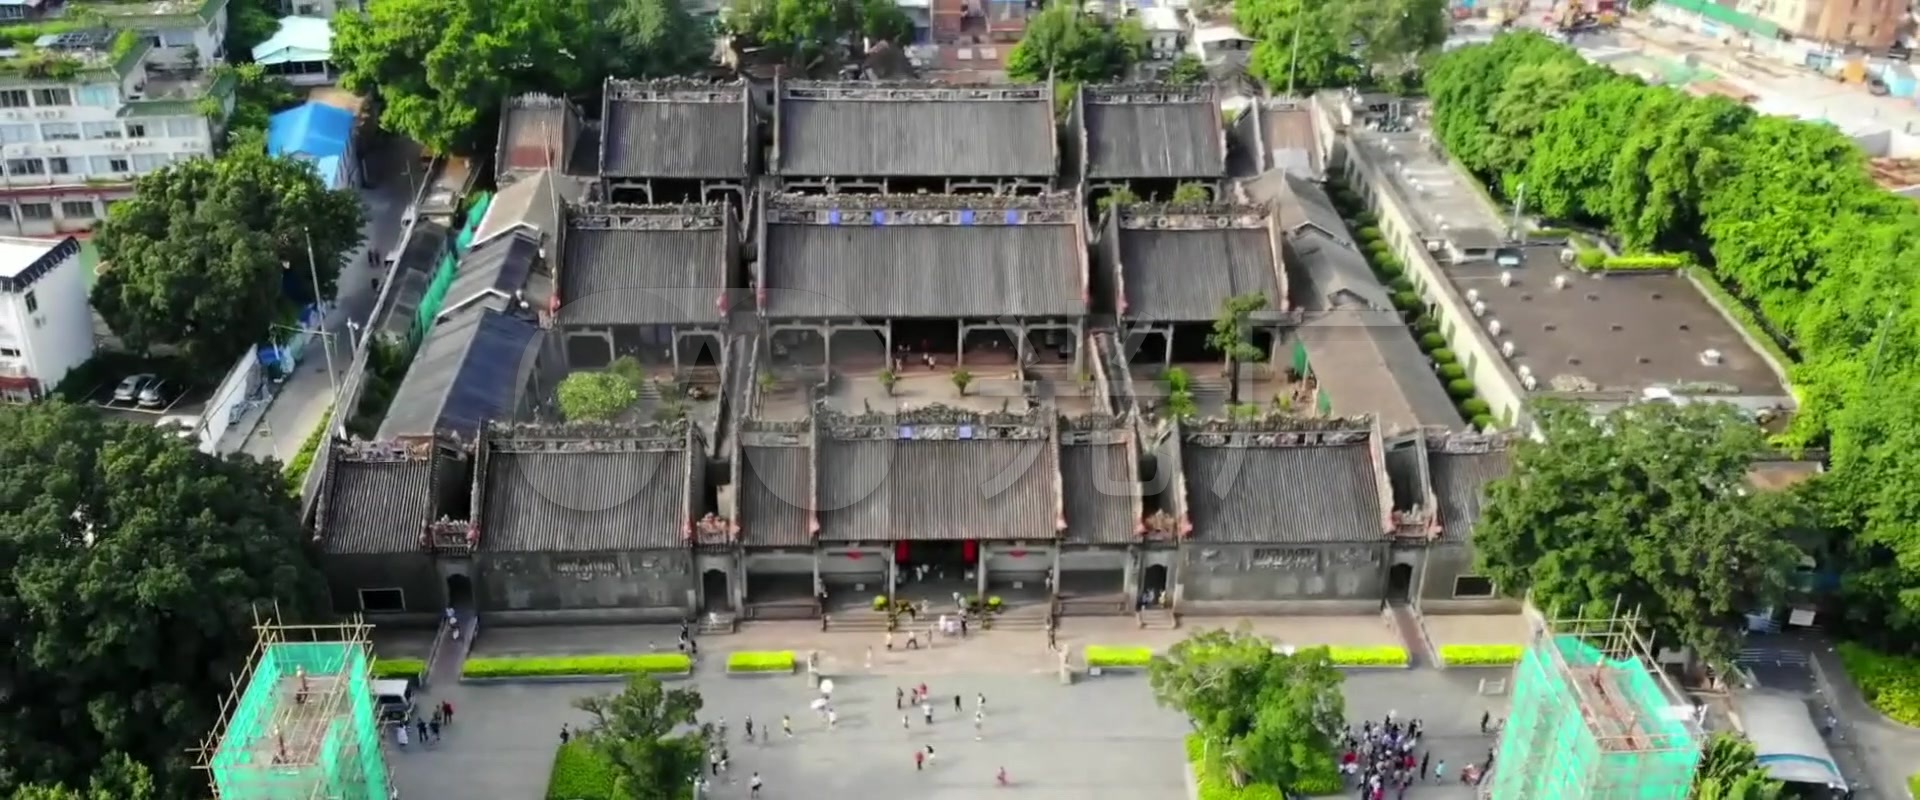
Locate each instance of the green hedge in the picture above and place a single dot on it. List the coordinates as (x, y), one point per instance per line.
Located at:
(303, 460)
(1432, 341)
(1100, 655)
(1480, 655)
(1425, 325)
(553, 666)
(1474, 406)
(1483, 421)
(1633, 263)
(580, 773)
(1551, 233)
(1369, 234)
(1407, 301)
(1461, 388)
(1443, 356)
(1452, 372)
(1890, 683)
(1369, 656)
(761, 661)
(396, 668)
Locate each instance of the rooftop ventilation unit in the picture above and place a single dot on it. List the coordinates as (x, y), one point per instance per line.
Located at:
(1506, 278)
(1494, 327)
(1473, 295)
(1479, 309)
(1506, 348)
(1527, 381)
(1711, 358)
(1562, 281)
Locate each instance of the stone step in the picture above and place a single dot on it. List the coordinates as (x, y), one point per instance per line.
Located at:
(856, 622)
(1093, 607)
(1159, 619)
(717, 623)
(780, 611)
(1007, 622)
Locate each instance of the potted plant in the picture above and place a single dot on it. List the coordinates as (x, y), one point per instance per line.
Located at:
(879, 602)
(961, 379)
(766, 382)
(993, 604)
(888, 379)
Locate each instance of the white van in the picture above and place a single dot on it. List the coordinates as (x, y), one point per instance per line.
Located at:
(393, 699)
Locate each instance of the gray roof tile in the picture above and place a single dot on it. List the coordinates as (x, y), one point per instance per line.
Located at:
(614, 276)
(1283, 495)
(1145, 139)
(376, 508)
(588, 495)
(775, 494)
(825, 130)
(674, 129)
(947, 490)
(1185, 275)
(1368, 364)
(1101, 486)
(1460, 486)
(470, 370)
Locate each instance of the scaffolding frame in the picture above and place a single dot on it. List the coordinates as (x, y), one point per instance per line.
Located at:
(319, 738)
(1593, 718)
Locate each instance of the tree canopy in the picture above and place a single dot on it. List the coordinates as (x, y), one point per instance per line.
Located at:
(442, 66)
(1276, 716)
(634, 731)
(135, 565)
(805, 31)
(587, 396)
(118, 778)
(1780, 213)
(1648, 507)
(208, 254)
(1315, 44)
(1730, 770)
(1072, 46)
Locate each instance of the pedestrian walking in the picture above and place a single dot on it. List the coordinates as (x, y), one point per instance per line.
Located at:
(786, 725)
(919, 760)
(929, 754)
(899, 698)
(980, 702)
(904, 721)
(963, 627)
(400, 735)
(1425, 761)
(833, 719)
(956, 704)
(420, 726)
(913, 641)
(927, 710)
(749, 724)
(1485, 716)
(565, 735)
(889, 641)
(979, 719)
(434, 727)
(753, 785)
(1440, 771)
(446, 707)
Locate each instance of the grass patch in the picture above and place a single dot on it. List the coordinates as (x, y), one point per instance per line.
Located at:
(1369, 656)
(579, 773)
(1215, 781)
(1100, 655)
(1889, 683)
(303, 460)
(761, 661)
(398, 668)
(1480, 655)
(546, 667)
(1913, 784)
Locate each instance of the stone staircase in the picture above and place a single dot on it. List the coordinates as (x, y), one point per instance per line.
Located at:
(1030, 617)
(1159, 619)
(1406, 624)
(1097, 606)
(855, 620)
(718, 622)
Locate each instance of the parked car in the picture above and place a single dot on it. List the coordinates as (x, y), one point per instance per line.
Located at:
(394, 700)
(155, 394)
(131, 386)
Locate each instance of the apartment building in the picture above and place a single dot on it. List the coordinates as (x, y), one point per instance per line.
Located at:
(46, 327)
(1869, 24)
(83, 112)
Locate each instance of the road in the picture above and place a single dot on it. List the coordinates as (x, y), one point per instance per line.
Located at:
(303, 400)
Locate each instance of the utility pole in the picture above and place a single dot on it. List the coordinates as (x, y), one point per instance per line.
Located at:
(1293, 59)
(319, 302)
(1519, 208)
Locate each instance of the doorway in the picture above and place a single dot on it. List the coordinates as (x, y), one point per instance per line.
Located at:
(1155, 579)
(459, 592)
(1400, 583)
(713, 591)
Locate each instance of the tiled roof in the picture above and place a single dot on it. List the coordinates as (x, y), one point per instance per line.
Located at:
(1101, 491)
(499, 268)
(1154, 140)
(643, 277)
(1283, 495)
(878, 490)
(1185, 275)
(558, 501)
(1325, 273)
(1368, 364)
(376, 508)
(824, 131)
(898, 270)
(535, 130)
(528, 204)
(774, 494)
(1460, 486)
(470, 370)
(674, 130)
(1299, 202)
(1291, 143)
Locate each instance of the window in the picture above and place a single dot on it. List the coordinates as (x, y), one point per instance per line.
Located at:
(77, 209)
(136, 130)
(183, 128)
(53, 97)
(101, 130)
(176, 38)
(383, 600)
(60, 131)
(57, 165)
(13, 12)
(18, 134)
(100, 95)
(118, 164)
(26, 166)
(9, 352)
(144, 164)
(13, 98)
(35, 211)
(1472, 586)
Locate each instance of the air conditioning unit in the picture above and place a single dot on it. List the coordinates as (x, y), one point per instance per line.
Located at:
(1479, 309)
(1561, 281)
(1506, 278)
(1528, 382)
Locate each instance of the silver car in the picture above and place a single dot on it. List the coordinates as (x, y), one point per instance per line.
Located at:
(130, 387)
(154, 394)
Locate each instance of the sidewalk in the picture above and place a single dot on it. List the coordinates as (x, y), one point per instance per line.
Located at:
(302, 402)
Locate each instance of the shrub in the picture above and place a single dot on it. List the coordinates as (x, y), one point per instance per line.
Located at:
(1889, 683)
(761, 661)
(399, 668)
(1368, 656)
(580, 773)
(1480, 655)
(1632, 263)
(1426, 325)
(1406, 301)
(1366, 219)
(1460, 389)
(1368, 234)
(879, 602)
(303, 459)
(1100, 655)
(1387, 267)
(1483, 422)
(551, 666)
(1473, 406)
(1213, 781)
(993, 603)
(1432, 341)
(1452, 372)
(1399, 283)
(1549, 233)
(1378, 251)
(1443, 356)
(1591, 259)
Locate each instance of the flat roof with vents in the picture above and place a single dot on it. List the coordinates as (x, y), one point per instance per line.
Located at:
(1613, 333)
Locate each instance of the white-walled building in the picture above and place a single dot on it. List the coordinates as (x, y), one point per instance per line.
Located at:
(84, 113)
(46, 326)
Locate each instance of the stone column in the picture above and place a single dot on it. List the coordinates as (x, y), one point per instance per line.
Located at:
(893, 576)
(980, 572)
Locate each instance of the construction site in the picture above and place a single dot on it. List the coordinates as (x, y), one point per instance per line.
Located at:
(300, 723)
(1594, 719)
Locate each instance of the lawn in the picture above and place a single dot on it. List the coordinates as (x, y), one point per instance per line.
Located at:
(1889, 683)
(398, 668)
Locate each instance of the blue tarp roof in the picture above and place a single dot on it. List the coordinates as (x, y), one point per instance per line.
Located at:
(312, 129)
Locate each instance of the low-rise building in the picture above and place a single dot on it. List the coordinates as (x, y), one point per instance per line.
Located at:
(46, 326)
(300, 52)
(1150, 138)
(913, 137)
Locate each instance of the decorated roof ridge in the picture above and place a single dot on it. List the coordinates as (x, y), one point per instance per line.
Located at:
(634, 216)
(1163, 93)
(536, 100)
(1279, 430)
(588, 437)
(384, 451)
(675, 90)
(1093, 421)
(757, 425)
(1465, 443)
(914, 91)
(937, 422)
(1194, 216)
(1052, 201)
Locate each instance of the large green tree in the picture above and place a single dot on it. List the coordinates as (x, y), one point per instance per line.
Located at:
(1232, 337)
(643, 734)
(1647, 507)
(808, 32)
(195, 259)
(1730, 770)
(1313, 44)
(1275, 716)
(135, 566)
(1070, 45)
(118, 778)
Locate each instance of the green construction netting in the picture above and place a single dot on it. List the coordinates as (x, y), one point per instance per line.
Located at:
(448, 267)
(280, 746)
(1723, 15)
(1549, 750)
(1300, 356)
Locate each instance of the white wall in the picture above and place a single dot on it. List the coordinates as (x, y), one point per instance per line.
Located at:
(229, 400)
(58, 334)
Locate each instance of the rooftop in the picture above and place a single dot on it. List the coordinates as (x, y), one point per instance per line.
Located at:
(1460, 467)
(1582, 333)
(72, 52)
(470, 370)
(1442, 198)
(18, 255)
(674, 129)
(645, 265)
(1099, 480)
(1180, 263)
(877, 130)
(1291, 481)
(775, 486)
(201, 10)
(376, 497)
(536, 132)
(1895, 174)
(590, 488)
(1368, 364)
(938, 474)
(1288, 140)
(1153, 132)
(922, 256)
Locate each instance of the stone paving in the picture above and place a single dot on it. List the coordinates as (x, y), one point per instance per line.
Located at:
(1471, 629)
